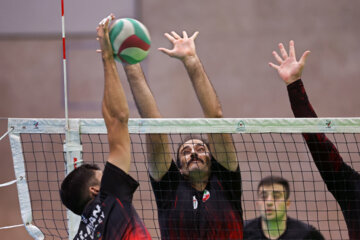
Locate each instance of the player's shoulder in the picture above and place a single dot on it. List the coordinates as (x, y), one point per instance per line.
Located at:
(302, 230)
(299, 225)
(252, 229)
(252, 224)
(118, 183)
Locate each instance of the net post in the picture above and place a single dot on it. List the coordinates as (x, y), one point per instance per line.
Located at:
(22, 186)
(73, 157)
(64, 63)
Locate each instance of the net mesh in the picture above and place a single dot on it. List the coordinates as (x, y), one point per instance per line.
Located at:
(259, 155)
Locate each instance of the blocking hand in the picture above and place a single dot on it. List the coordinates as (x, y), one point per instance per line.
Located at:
(289, 68)
(182, 46)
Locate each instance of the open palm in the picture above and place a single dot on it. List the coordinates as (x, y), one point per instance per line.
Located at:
(289, 68)
(182, 46)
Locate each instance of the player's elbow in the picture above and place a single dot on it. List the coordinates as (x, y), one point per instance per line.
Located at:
(216, 113)
(122, 116)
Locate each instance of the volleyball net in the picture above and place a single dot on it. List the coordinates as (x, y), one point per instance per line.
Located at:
(44, 151)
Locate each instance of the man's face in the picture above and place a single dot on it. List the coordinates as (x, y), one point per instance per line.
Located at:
(194, 157)
(272, 202)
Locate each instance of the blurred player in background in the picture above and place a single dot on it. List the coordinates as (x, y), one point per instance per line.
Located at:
(273, 202)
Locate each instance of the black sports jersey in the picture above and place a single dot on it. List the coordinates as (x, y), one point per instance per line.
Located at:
(185, 213)
(295, 230)
(111, 216)
(341, 180)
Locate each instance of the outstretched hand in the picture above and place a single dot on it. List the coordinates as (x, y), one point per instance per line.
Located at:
(289, 68)
(103, 36)
(183, 47)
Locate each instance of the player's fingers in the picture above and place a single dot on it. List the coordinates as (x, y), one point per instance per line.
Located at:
(185, 36)
(277, 57)
(303, 57)
(273, 65)
(195, 35)
(176, 36)
(108, 19)
(98, 50)
(283, 51)
(292, 49)
(102, 22)
(171, 38)
(165, 50)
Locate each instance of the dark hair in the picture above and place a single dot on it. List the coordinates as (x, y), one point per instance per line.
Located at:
(270, 180)
(187, 138)
(74, 191)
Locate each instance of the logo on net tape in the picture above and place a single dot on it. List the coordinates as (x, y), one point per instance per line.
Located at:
(32, 125)
(240, 127)
(327, 125)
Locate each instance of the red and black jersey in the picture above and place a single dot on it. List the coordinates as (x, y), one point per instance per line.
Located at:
(111, 215)
(185, 213)
(341, 180)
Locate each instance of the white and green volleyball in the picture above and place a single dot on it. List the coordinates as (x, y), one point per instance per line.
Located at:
(130, 40)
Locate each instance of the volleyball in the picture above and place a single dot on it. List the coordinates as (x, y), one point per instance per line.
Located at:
(130, 40)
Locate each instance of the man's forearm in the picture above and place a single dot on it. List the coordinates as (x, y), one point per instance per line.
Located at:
(144, 100)
(205, 92)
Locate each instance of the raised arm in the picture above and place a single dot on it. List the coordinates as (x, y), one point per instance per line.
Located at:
(158, 149)
(341, 180)
(114, 106)
(221, 145)
(326, 157)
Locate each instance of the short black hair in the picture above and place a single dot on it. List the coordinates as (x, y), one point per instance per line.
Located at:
(187, 138)
(270, 180)
(74, 191)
